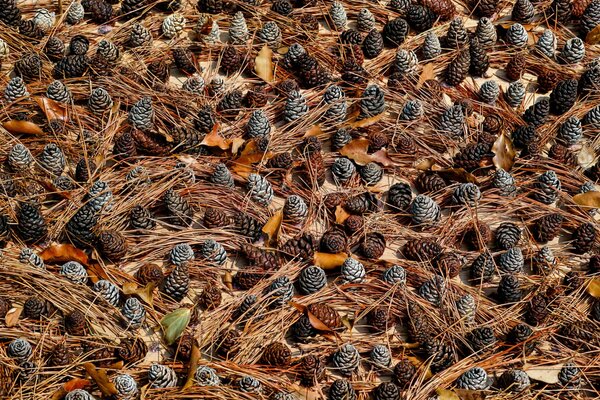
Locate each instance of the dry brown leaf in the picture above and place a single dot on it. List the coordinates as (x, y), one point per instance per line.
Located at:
(593, 36)
(588, 199)
(329, 261)
(317, 323)
(298, 306)
(213, 139)
(361, 123)
(53, 109)
(22, 127)
(504, 153)
(64, 252)
(194, 360)
(340, 215)
(424, 164)
(586, 156)
(594, 288)
(458, 175)
(315, 130)
(426, 74)
(263, 64)
(76, 383)
(445, 394)
(250, 155)
(101, 379)
(12, 316)
(273, 227)
(544, 373)
(96, 272)
(146, 293)
(357, 150)
(228, 280)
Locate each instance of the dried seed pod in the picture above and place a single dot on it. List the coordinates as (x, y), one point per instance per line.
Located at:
(346, 359)
(489, 92)
(509, 290)
(132, 350)
(394, 32)
(280, 291)
(134, 312)
(178, 207)
(352, 271)
(514, 380)
(31, 224)
(458, 68)
(433, 290)
(15, 89)
(295, 106)
(238, 30)
(474, 379)
(19, 349)
(570, 131)
(258, 125)
(523, 11)
(546, 43)
(482, 268)
(584, 238)
(100, 101)
(337, 13)
(466, 194)
(424, 210)
(161, 376)
(260, 189)
(516, 35)
(365, 21)
(334, 97)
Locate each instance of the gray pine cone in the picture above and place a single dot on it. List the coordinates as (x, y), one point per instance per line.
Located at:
(161, 376)
(247, 307)
(295, 209)
(573, 51)
(433, 290)
(516, 35)
(74, 272)
(509, 290)
(28, 256)
(466, 193)
(260, 189)
(221, 176)
(424, 210)
(504, 182)
(194, 84)
(342, 137)
(466, 307)
(216, 85)
(100, 101)
(337, 108)
(206, 376)
(412, 110)
(281, 290)
(107, 290)
(511, 261)
(312, 279)
(569, 375)
(213, 36)
(546, 43)
(431, 46)
(406, 62)
(258, 125)
(15, 89)
(342, 169)
(126, 387)
(213, 251)
(515, 93)
(489, 92)
(365, 20)
(346, 359)
(341, 389)
(134, 312)
(137, 174)
(380, 356)
(79, 394)
(141, 218)
(547, 187)
(394, 275)
(99, 196)
(44, 19)
(52, 159)
(514, 380)
(371, 173)
(108, 51)
(592, 117)
(19, 158)
(178, 207)
(457, 36)
(485, 32)
(295, 106)
(181, 253)
(591, 17)
(570, 131)
(58, 91)
(139, 36)
(337, 12)
(474, 379)
(238, 30)
(19, 349)
(352, 271)
(63, 183)
(283, 396)
(141, 115)
(75, 13)
(544, 259)
(372, 102)
(270, 34)
(172, 25)
(249, 384)
(452, 121)
(293, 55)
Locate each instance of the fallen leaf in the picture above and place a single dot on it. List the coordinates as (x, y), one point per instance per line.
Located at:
(361, 123)
(544, 373)
(101, 379)
(357, 150)
(22, 127)
(349, 324)
(194, 360)
(174, 324)
(586, 156)
(64, 252)
(426, 73)
(593, 36)
(76, 383)
(588, 199)
(146, 293)
(228, 280)
(53, 109)
(458, 175)
(213, 139)
(317, 323)
(445, 394)
(424, 164)
(236, 144)
(465, 394)
(329, 261)
(263, 64)
(12, 316)
(273, 227)
(96, 272)
(504, 153)
(340, 215)
(298, 306)
(315, 130)
(594, 288)
(250, 155)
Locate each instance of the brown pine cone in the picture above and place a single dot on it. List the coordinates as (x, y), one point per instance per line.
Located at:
(547, 80)
(579, 334)
(377, 140)
(361, 203)
(458, 69)
(538, 309)
(515, 67)
(266, 259)
(421, 249)
(405, 144)
(302, 247)
(584, 238)
(579, 7)
(420, 328)
(231, 60)
(380, 319)
(559, 153)
(149, 273)
(36, 308)
(311, 369)
(332, 200)
(281, 161)
(247, 226)
(276, 354)
(547, 227)
(314, 169)
(75, 323)
(478, 236)
(334, 241)
(215, 218)
(429, 182)
(256, 97)
(373, 245)
(210, 298)
(444, 8)
(404, 372)
(326, 315)
(184, 347)
(226, 343)
(594, 264)
(249, 277)
(484, 8)
(309, 22)
(184, 61)
(159, 70)
(124, 146)
(112, 245)
(353, 224)
(60, 356)
(151, 143)
(132, 350)
(450, 264)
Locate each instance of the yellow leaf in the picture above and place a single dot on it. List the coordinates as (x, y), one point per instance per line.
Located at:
(315, 130)
(228, 280)
(594, 288)
(273, 226)
(504, 153)
(99, 375)
(593, 37)
(263, 64)
(236, 144)
(213, 139)
(12, 316)
(23, 127)
(445, 394)
(426, 74)
(146, 293)
(544, 373)
(174, 324)
(340, 215)
(329, 261)
(357, 151)
(588, 199)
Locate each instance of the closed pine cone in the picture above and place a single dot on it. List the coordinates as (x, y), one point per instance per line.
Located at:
(326, 315)
(112, 245)
(132, 350)
(215, 218)
(75, 323)
(60, 356)
(210, 298)
(421, 249)
(276, 354)
(149, 273)
(312, 370)
(380, 319)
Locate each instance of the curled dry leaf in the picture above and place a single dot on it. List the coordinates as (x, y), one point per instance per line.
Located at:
(249, 156)
(504, 152)
(194, 361)
(329, 261)
(426, 74)
(12, 316)
(340, 215)
(213, 139)
(445, 394)
(588, 199)
(544, 373)
(22, 127)
(53, 109)
(593, 37)
(99, 376)
(457, 174)
(273, 227)
(174, 324)
(357, 150)
(64, 252)
(228, 280)
(315, 130)
(594, 288)
(263, 64)
(76, 383)
(145, 293)
(361, 123)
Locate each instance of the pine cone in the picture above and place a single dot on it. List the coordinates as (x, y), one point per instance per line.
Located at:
(178, 207)
(482, 268)
(19, 349)
(538, 309)
(507, 235)
(433, 290)
(394, 32)
(523, 11)
(509, 289)
(441, 355)
(184, 61)
(326, 315)
(36, 308)
(346, 359)
(515, 67)
(112, 245)
(159, 70)
(514, 380)
(141, 218)
(312, 370)
(10, 15)
(60, 356)
(100, 10)
(380, 356)
(458, 68)
(404, 371)
(466, 194)
(75, 323)
(352, 271)
(210, 298)
(373, 245)
(420, 18)
(161, 376)
(429, 182)
(563, 97)
(547, 187)
(452, 121)
(108, 291)
(312, 279)
(379, 319)
(474, 379)
(480, 338)
(29, 67)
(424, 210)
(394, 275)
(31, 224)
(276, 354)
(341, 389)
(132, 350)
(134, 312)
(334, 241)
(584, 238)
